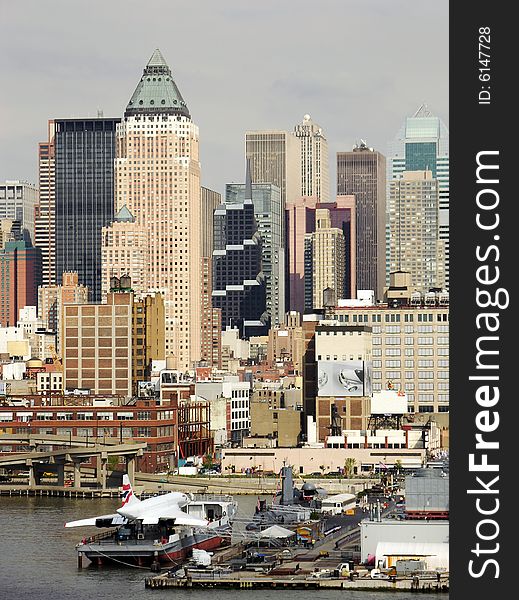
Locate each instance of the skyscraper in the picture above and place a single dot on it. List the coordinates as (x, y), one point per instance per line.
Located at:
(313, 148)
(158, 180)
(326, 248)
(84, 195)
(415, 244)
(18, 200)
(20, 275)
(300, 221)
(422, 144)
(239, 288)
(297, 162)
(270, 218)
(45, 221)
(211, 328)
(274, 158)
(362, 173)
(125, 251)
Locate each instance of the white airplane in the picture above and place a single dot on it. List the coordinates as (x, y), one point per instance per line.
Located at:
(150, 511)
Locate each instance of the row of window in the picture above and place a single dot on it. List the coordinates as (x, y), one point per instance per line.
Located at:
(393, 318)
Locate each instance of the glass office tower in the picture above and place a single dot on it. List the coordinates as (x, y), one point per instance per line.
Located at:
(266, 199)
(422, 144)
(84, 192)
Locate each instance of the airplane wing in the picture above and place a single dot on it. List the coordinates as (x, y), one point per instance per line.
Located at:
(99, 521)
(174, 513)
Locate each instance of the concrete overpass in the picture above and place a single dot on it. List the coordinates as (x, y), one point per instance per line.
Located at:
(74, 452)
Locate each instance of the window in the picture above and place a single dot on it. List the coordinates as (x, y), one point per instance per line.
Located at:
(393, 374)
(426, 363)
(425, 352)
(424, 386)
(425, 375)
(393, 329)
(395, 364)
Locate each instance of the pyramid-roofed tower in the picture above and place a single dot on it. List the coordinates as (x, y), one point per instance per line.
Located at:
(124, 215)
(157, 92)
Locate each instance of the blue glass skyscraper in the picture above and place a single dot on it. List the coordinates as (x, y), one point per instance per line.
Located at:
(84, 175)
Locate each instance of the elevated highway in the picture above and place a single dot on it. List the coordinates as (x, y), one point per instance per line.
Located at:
(71, 451)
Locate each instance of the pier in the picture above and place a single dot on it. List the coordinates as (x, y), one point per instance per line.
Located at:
(248, 580)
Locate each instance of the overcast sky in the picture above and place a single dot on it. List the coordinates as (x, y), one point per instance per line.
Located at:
(358, 67)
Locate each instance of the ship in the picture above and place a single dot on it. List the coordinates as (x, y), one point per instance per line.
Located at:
(162, 530)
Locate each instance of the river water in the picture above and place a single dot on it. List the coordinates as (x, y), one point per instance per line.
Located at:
(38, 559)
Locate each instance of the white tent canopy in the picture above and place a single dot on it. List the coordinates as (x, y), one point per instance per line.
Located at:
(276, 532)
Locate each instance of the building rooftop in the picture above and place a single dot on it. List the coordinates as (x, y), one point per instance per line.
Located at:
(124, 215)
(157, 92)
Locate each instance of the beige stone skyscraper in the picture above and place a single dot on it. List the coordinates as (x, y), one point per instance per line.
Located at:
(158, 180)
(328, 257)
(125, 251)
(45, 218)
(313, 148)
(297, 161)
(274, 158)
(414, 230)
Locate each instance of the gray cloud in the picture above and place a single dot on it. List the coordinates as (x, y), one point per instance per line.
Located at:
(357, 66)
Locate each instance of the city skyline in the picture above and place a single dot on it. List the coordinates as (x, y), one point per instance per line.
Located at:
(351, 93)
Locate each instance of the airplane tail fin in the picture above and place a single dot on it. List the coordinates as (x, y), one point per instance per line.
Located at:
(127, 495)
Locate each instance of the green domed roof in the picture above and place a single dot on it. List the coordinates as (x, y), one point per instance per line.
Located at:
(156, 92)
